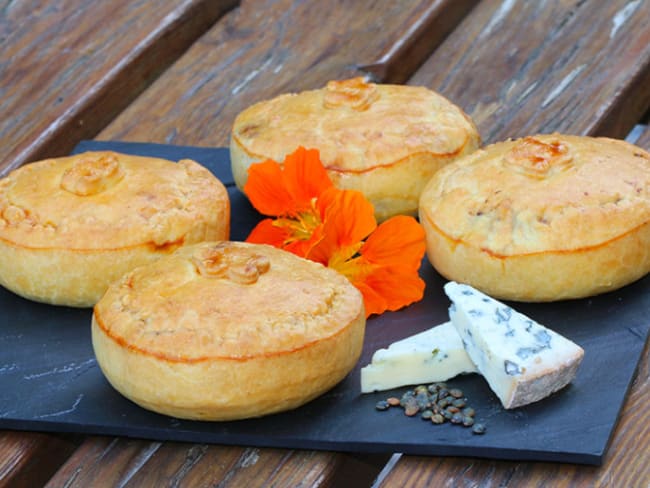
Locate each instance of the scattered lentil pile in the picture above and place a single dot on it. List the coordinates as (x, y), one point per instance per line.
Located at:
(437, 403)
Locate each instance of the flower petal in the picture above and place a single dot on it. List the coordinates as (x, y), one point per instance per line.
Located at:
(266, 190)
(387, 271)
(348, 218)
(391, 290)
(397, 242)
(373, 301)
(267, 233)
(305, 177)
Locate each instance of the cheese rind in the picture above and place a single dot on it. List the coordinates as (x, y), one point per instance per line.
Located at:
(521, 360)
(437, 354)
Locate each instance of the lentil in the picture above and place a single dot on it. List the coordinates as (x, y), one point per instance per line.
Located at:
(456, 418)
(392, 401)
(436, 418)
(468, 411)
(411, 407)
(478, 429)
(422, 400)
(382, 405)
(468, 421)
(459, 402)
(437, 403)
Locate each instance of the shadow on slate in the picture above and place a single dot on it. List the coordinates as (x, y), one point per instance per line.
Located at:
(50, 380)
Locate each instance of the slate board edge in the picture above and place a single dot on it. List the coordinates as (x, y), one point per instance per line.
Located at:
(442, 450)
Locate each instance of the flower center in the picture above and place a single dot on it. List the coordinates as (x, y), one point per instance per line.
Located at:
(302, 226)
(350, 264)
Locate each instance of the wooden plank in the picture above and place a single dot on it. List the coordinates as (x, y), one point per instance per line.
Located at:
(103, 461)
(644, 138)
(419, 39)
(574, 66)
(270, 47)
(29, 459)
(67, 68)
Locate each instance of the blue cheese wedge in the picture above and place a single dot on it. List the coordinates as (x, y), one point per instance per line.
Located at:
(521, 360)
(437, 354)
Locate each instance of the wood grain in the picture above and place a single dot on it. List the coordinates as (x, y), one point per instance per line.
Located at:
(260, 50)
(67, 68)
(28, 459)
(419, 39)
(644, 139)
(102, 461)
(574, 66)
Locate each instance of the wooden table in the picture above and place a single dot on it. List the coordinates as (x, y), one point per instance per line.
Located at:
(179, 71)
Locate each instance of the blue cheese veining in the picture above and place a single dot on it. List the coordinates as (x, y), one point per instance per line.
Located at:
(521, 360)
(437, 354)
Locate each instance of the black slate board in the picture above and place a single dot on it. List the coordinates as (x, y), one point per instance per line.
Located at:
(50, 380)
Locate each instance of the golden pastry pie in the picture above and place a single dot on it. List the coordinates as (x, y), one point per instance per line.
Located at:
(70, 226)
(228, 330)
(542, 218)
(383, 140)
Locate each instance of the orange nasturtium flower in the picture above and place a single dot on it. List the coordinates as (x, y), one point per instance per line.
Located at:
(337, 228)
(291, 194)
(384, 266)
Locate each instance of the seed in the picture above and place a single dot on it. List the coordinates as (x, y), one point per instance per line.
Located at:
(443, 403)
(468, 411)
(405, 397)
(468, 421)
(382, 405)
(478, 429)
(421, 389)
(457, 418)
(437, 403)
(459, 402)
(411, 410)
(456, 393)
(436, 418)
(411, 407)
(393, 401)
(422, 400)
